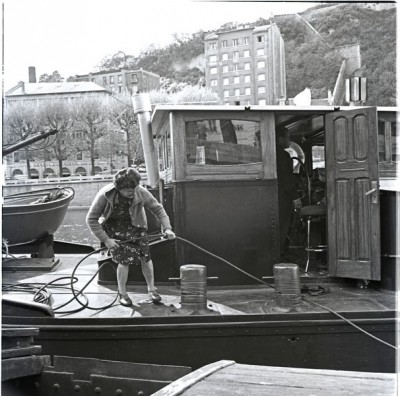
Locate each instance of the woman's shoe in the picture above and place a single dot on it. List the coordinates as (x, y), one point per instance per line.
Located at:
(125, 300)
(154, 296)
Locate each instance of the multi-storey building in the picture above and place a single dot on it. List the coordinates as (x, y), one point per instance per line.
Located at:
(35, 93)
(122, 80)
(247, 65)
(38, 94)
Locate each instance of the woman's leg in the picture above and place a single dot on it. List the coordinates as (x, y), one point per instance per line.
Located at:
(122, 278)
(148, 272)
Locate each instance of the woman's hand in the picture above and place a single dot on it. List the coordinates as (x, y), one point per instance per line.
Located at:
(111, 243)
(169, 234)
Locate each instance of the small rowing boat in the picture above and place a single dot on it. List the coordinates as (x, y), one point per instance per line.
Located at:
(30, 216)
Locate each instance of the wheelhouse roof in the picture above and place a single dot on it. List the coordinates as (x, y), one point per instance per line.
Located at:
(160, 112)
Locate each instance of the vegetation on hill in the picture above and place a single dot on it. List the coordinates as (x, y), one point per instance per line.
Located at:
(375, 31)
(311, 59)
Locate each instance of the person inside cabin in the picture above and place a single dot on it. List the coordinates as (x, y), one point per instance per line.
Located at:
(117, 214)
(288, 196)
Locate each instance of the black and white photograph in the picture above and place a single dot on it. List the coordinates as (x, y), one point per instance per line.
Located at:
(199, 198)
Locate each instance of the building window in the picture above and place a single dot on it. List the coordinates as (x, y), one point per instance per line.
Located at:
(260, 39)
(224, 56)
(245, 40)
(79, 156)
(236, 67)
(235, 42)
(226, 81)
(247, 66)
(236, 80)
(111, 79)
(214, 83)
(246, 53)
(134, 78)
(93, 79)
(247, 78)
(237, 91)
(212, 46)
(226, 93)
(213, 70)
(225, 69)
(261, 77)
(247, 91)
(236, 55)
(119, 89)
(105, 80)
(224, 43)
(262, 102)
(120, 78)
(213, 58)
(261, 90)
(260, 51)
(261, 64)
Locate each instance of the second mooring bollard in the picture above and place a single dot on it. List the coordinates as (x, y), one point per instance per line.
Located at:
(287, 285)
(194, 287)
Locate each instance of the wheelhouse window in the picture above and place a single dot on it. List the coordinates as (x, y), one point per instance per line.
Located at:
(222, 142)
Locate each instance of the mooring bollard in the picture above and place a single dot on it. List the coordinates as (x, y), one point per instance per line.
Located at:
(193, 278)
(194, 286)
(287, 285)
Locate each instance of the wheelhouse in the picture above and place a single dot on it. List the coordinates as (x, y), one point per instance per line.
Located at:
(220, 162)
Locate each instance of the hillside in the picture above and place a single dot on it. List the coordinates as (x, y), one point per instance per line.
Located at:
(375, 30)
(310, 41)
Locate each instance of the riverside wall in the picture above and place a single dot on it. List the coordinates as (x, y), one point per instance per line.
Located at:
(85, 190)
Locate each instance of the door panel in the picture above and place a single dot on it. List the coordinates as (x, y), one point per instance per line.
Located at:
(352, 194)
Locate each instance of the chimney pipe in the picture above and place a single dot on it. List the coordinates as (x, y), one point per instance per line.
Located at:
(142, 107)
(32, 74)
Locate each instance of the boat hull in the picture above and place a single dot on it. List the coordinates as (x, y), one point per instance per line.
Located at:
(316, 340)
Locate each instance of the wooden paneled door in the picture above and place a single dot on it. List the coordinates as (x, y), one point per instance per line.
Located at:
(353, 194)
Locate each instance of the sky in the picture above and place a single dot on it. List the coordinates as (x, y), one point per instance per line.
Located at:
(73, 36)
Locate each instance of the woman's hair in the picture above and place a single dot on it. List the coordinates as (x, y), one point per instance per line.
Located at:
(126, 178)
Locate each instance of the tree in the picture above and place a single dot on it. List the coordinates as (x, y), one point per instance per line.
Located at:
(21, 122)
(122, 116)
(91, 116)
(116, 61)
(54, 77)
(58, 115)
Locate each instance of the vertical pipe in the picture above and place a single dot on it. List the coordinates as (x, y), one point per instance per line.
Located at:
(142, 107)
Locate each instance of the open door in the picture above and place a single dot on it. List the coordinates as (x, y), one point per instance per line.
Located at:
(353, 194)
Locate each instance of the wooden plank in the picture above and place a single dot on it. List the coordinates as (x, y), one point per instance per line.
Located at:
(184, 383)
(19, 331)
(17, 352)
(241, 379)
(23, 366)
(178, 146)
